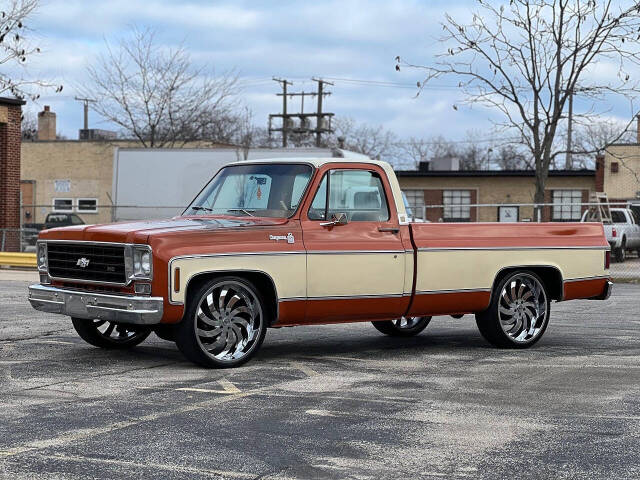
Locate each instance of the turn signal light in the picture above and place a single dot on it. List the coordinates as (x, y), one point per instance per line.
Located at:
(614, 232)
(607, 260)
(176, 280)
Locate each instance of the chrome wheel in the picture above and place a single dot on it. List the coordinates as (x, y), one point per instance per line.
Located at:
(118, 332)
(407, 322)
(403, 326)
(522, 308)
(228, 321)
(106, 334)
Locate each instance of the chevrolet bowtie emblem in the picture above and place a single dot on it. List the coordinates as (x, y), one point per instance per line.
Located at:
(82, 262)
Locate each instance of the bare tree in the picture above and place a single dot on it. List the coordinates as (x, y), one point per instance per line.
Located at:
(374, 141)
(509, 157)
(526, 58)
(597, 136)
(29, 125)
(156, 95)
(416, 151)
(16, 49)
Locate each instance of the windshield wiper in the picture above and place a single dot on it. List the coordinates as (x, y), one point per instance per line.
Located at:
(246, 212)
(196, 208)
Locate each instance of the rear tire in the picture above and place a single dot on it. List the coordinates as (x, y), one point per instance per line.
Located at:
(518, 314)
(224, 323)
(110, 335)
(403, 326)
(620, 253)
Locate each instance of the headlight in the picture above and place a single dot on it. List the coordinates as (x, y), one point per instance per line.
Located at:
(142, 262)
(42, 256)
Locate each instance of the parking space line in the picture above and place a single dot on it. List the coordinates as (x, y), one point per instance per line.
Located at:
(367, 399)
(227, 388)
(145, 465)
(304, 369)
(56, 342)
(73, 436)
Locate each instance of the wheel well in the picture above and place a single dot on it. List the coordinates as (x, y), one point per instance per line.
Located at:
(550, 276)
(263, 282)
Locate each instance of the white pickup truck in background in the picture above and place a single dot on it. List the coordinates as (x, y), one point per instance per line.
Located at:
(623, 233)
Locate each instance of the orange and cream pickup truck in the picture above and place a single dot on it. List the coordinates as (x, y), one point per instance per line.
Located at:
(300, 242)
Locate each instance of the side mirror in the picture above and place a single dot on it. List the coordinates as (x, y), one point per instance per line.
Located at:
(336, 219)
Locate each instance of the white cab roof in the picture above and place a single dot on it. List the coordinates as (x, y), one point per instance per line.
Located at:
(315, 161)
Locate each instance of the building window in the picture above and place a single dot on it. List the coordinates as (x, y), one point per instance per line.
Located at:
(614, 167)
(87, 205)
(62, 204)
(456, 205)
(62, 186)
(567, 205)
(415, 200)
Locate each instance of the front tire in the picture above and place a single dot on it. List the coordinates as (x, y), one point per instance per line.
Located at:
(110, 335)
(403, 326)
(518, 314)
(224, 323)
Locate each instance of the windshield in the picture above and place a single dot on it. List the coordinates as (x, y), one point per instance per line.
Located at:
(260, 190)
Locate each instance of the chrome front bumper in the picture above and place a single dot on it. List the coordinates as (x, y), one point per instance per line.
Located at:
(115, 308)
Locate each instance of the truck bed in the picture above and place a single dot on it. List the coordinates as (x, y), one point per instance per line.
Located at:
(457, 263)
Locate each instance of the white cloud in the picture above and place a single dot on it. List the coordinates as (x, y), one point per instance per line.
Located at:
(297, 40)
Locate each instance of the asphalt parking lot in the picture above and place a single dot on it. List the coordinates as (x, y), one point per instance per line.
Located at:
(338, 401)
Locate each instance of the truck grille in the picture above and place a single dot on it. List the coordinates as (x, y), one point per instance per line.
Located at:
(86, 261)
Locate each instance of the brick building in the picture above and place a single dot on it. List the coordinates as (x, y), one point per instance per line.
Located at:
(10, 132)
(460, 188)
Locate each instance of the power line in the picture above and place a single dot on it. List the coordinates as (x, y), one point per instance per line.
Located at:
(362, 82)
(446, 142)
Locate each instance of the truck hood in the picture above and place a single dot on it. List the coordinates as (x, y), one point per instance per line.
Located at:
(140, 231)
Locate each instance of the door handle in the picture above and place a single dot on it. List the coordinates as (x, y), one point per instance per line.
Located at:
(389, 229)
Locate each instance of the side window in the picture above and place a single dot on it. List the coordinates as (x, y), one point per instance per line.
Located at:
(357, 193)
(318, 208)
(299, 184)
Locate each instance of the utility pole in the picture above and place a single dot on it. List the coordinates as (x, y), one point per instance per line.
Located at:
(86, 102)
(285, 118)
(568, 162)
(321, 93)
(288, 119)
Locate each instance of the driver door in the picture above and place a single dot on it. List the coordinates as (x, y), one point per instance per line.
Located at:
(355, 268)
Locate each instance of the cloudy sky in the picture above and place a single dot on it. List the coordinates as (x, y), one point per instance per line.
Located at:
(338, 39)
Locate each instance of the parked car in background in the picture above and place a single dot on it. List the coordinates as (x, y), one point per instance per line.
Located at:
(30, 235)
(55, 220)
(623, 233)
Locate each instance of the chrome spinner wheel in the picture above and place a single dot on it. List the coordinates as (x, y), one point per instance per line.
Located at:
(106, 334)
(522, 308)
(403, 326)
(406, 322)
(228, 321)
